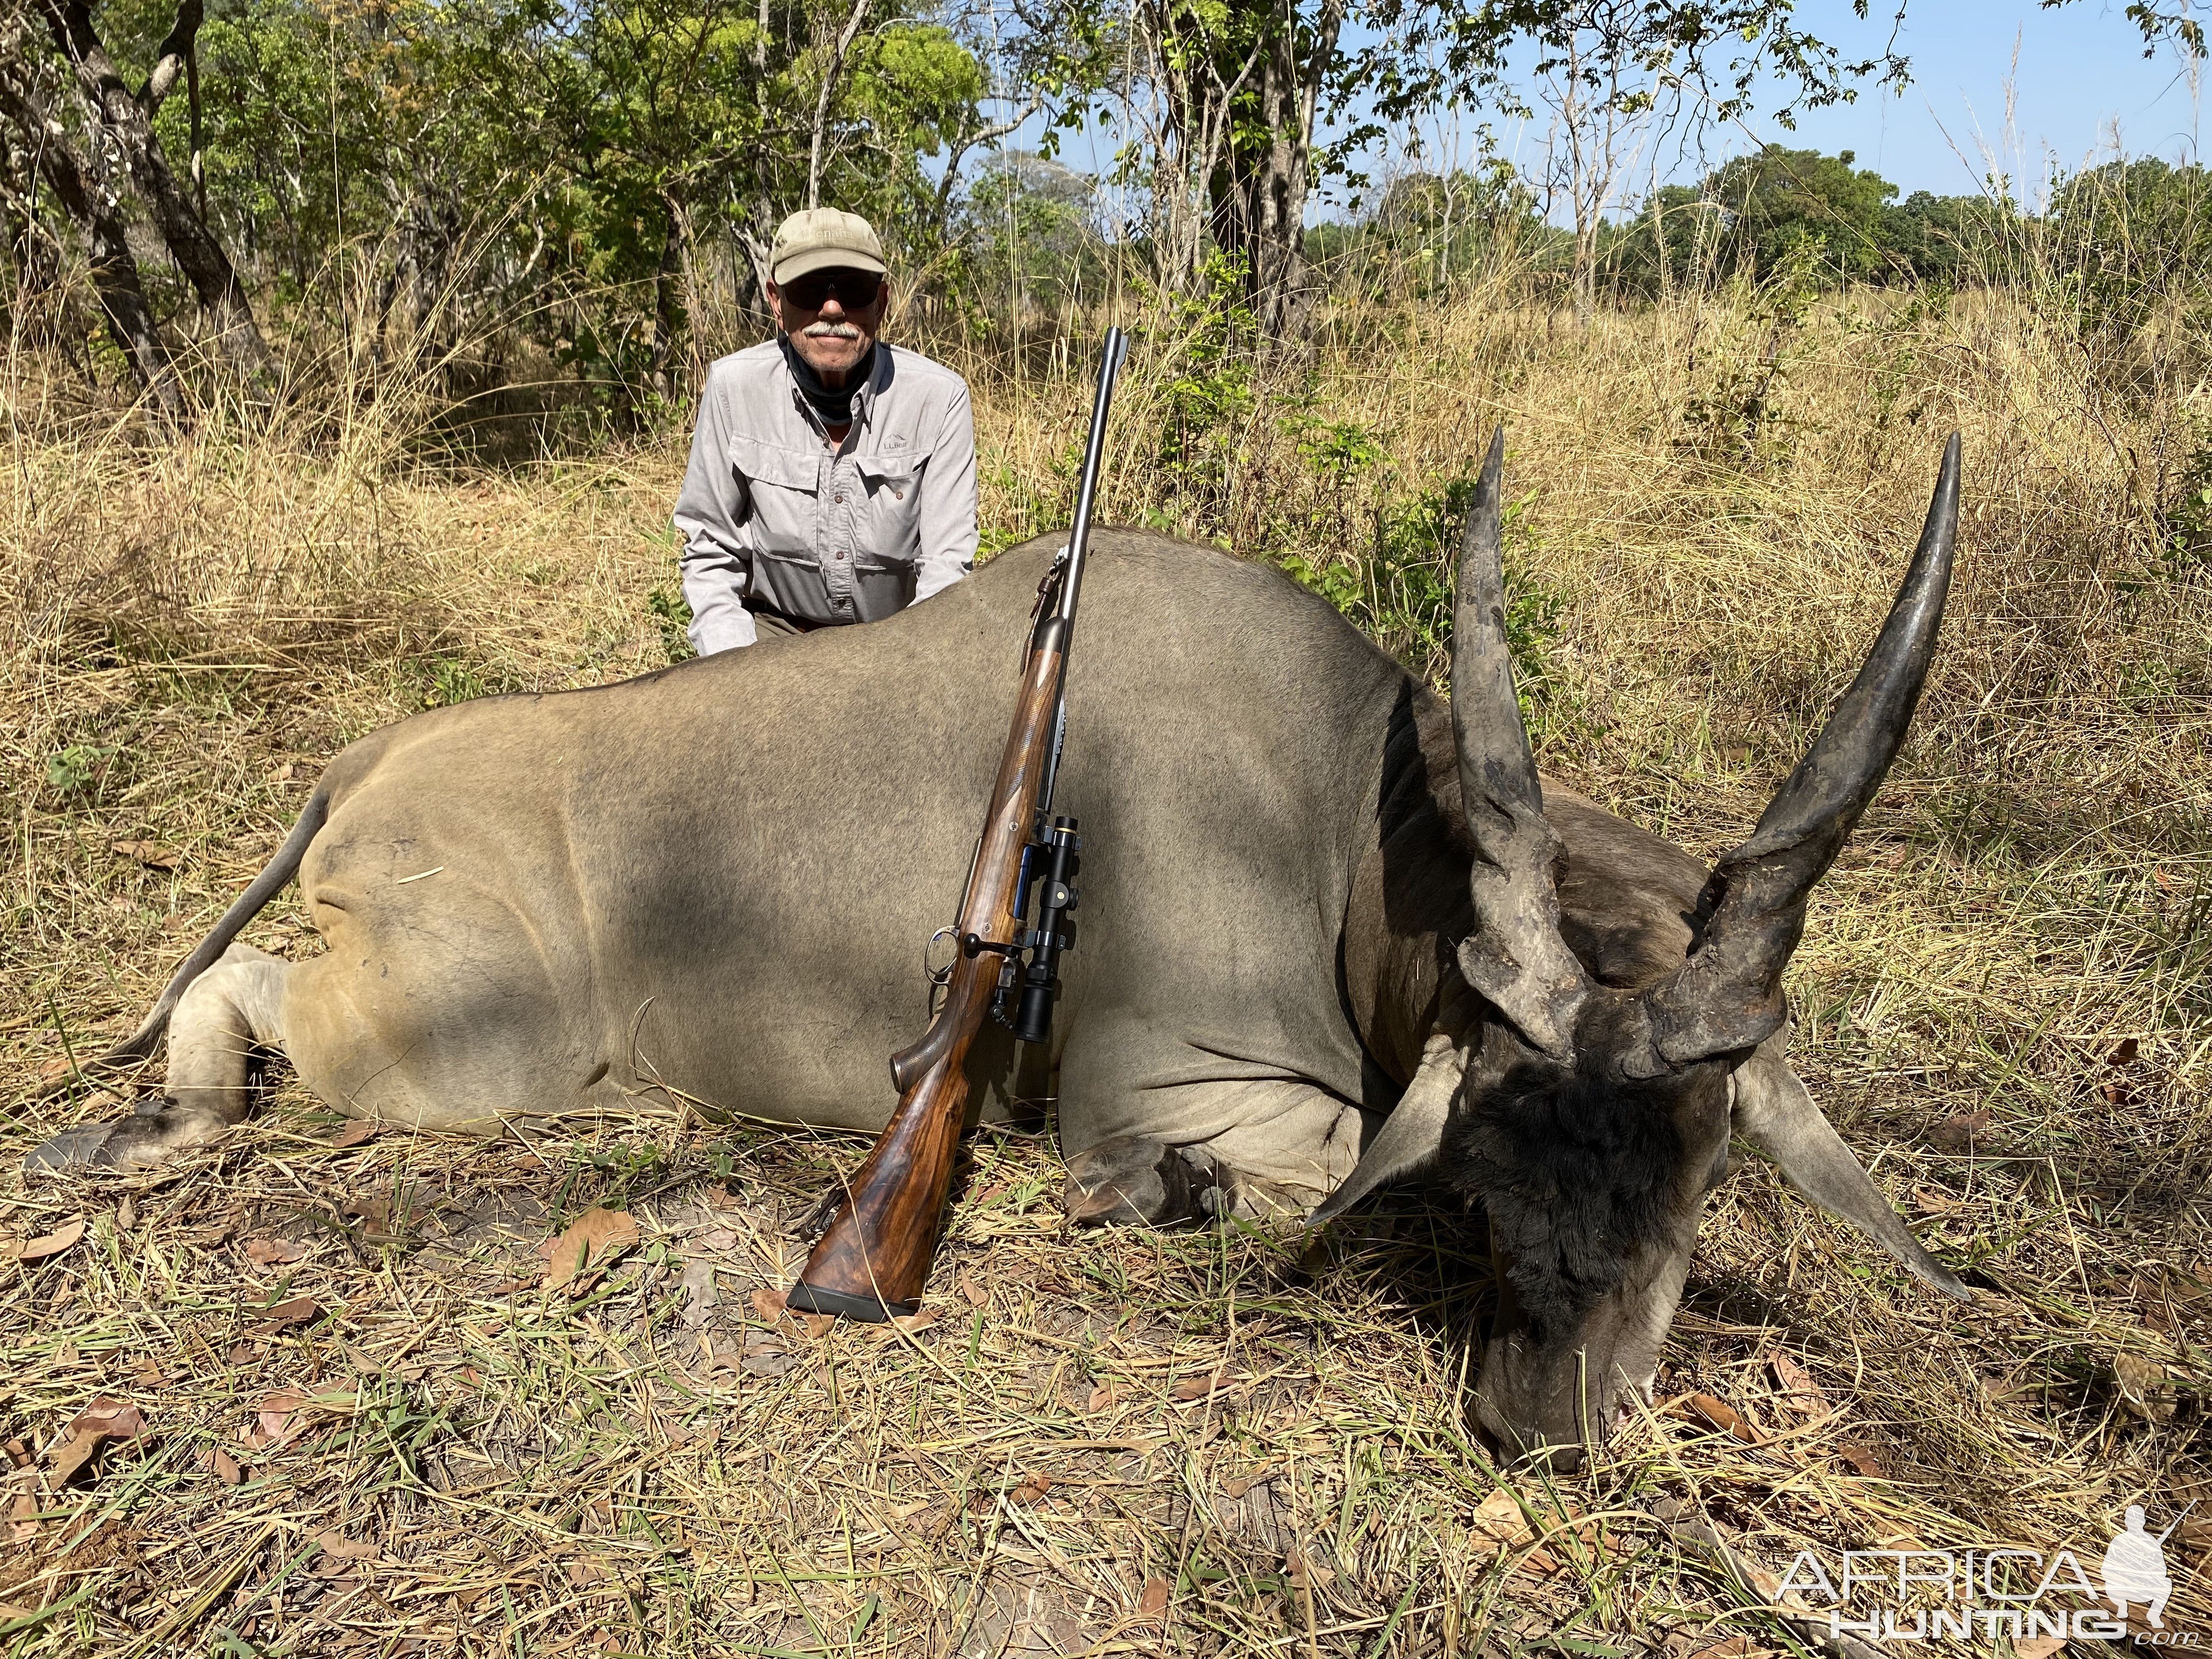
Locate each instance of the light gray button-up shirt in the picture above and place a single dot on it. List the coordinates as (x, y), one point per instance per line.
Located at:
(770, 513)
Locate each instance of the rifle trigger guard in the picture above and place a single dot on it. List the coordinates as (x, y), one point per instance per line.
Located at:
(939, 977)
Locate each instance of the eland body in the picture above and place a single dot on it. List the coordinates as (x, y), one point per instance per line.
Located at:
(1306, 966)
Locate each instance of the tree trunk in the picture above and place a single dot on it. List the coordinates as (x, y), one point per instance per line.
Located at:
(1259, 195)
(669, 308)
(1200, 80)
(127, 119)
(83, 196)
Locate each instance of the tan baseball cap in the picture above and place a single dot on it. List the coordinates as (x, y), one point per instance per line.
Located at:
(818, 239)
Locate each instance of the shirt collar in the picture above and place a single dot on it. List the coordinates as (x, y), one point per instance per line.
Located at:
(864, 398)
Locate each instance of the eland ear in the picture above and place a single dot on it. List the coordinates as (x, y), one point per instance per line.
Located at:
(1410, 1136)
(1777, 1114)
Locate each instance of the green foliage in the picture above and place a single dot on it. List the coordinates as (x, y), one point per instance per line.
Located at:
(448, 680)
(1029, 238)
(463, 176)
(672, 617)
(1435, 229)
(74, 769)
(1746, 219)
(1207, 396)
(1400, 593)
(2135, 239)
(1783, 200)
(1735, 418)
(2187, 511)
(1338, 450)
(1946, 240)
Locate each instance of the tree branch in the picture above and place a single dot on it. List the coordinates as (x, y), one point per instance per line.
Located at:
(173, 59)
(822, 103)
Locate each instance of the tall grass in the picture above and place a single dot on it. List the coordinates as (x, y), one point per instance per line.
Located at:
(2003, 999)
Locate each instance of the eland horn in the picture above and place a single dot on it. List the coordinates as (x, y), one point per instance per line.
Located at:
(1516, 958)
(1727, 996)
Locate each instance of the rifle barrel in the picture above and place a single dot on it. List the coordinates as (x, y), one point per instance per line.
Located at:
(1086, 492)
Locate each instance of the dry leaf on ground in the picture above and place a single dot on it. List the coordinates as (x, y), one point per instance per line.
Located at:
(1260, 1477)
(22, 1519)
(1154, 1601)
(1031, 1489)
(285, 1414)
(1863, 1459)
(1193, 1389)
(103, 1420)
(2037, 1647)
(273, 1252)
(335, 1543)
(767, 1302)
(593, 1239)
(153, 854)
(300, 1311)
(45, 1245)
(361, 1130)
(1800, 1392)
(1499, 1519)
(1961, 1130)
(2143, 1386)
(1715, 1412)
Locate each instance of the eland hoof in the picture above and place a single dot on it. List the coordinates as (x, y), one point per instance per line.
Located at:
(1134, 1179)
(72, 1149)
(148, 1137)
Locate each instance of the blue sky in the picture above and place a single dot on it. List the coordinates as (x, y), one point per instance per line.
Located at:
(2077, 74)
(2077, 79)
(2009, 85)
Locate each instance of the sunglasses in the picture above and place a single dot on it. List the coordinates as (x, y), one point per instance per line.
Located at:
(854, 289)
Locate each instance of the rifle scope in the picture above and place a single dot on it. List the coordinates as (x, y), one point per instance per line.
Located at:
(1053, 855)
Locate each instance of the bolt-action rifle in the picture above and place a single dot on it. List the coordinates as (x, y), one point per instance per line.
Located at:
(1013, 925)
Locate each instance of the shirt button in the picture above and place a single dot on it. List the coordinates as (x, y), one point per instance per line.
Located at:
(840, 556)
(841, 500)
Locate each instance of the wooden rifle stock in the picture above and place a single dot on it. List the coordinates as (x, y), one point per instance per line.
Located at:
(870, 1262)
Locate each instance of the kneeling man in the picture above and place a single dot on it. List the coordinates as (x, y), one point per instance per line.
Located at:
(832, 477)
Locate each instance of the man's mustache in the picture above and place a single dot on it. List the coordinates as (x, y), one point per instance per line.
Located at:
(831, 331)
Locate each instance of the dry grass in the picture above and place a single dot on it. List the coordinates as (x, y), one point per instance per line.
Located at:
(1188, 1443)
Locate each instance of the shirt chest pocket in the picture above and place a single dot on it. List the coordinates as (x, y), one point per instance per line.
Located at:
(888, 520)
(779, 487)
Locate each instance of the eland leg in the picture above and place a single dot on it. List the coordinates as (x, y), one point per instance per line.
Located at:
(1266, 1148)
(231, 1013)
